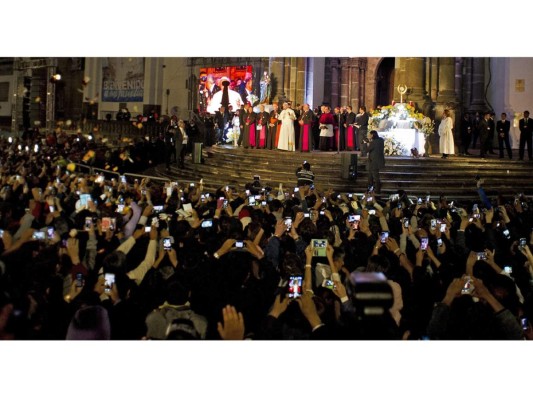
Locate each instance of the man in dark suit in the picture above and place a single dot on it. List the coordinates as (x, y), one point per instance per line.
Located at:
(526, 129)
(502, 128)
(376, 160)
(484, 133)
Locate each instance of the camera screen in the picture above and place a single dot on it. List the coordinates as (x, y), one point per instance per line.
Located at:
(208, 223)
(167, 245)
(406, 222)
(443, 228)
(423, 243)
(295, 286)
(319, 247)
(384, 236)
(251, 200)
(288, 223)
(109, 281)
(468, 287)
(522, 242)
(79, 280)
(481, 255)
(239, 244)
(328, 284)
(38, 235)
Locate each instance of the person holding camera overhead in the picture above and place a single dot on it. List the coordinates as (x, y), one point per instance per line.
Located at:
(376, 159)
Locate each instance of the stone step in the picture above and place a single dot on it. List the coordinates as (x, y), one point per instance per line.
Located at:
(452, 177)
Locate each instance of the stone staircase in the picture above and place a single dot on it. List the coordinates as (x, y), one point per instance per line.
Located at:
(454, 177)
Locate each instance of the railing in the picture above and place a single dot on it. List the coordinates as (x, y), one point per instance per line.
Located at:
(122, 128)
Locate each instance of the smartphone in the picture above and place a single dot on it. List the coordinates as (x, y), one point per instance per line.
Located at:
(239, 244)
(52, 209)
(1, 233)
(295, 286)
(307, 215)
(433, 224)
(79, 280)
(419, 201)
(191, 184)
(225, 203)
(508, 269)
(439, 242)
(296, 189)
(328, 284)
(251, 200)
(288, 223)
(120, 208)
(428, 199)
(369, 199)
(84, 199)
(167, 244)
(208, 223)
(158, 209)
(424, 243)
(50, 232)
(481, 255)
(38, 235)
(147, 229)
(522, 243)
(384, 236)
(525, 323)
(351, 218)
(371, 212)
(319, 247)
(109, 281)
(507, 234)
(442, 228)
(468, 288)
(406, 223)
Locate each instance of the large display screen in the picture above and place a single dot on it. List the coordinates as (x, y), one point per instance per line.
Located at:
(240, 80)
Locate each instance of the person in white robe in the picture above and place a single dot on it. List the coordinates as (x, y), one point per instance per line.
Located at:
(286, 134)
(216, 101)
(446, 143)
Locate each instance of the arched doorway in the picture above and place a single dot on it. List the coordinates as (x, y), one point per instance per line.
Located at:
(385, 81)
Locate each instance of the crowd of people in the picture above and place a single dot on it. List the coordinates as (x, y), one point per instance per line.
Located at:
(480, 129)
(84, 256)
(293, 128)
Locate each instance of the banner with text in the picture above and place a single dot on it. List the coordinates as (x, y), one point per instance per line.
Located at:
(123, 79)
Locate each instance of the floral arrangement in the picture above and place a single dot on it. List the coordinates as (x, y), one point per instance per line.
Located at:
(405, 112)
(426, 126)
(232, 136)
(392, 147)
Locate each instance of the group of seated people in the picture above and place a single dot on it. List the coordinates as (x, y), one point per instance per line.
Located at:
(88, 257)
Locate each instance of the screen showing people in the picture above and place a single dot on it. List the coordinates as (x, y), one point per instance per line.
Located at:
(210, 87)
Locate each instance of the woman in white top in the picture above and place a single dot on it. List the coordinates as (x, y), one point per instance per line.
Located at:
(446, 143)
(286, 134)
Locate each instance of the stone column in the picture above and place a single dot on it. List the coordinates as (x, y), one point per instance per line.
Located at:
(446, 93)
(335, 75)
(415, 80)
(467, 82)
(362, 84)
(287, 78)
(353, 96)
(399, 77)
(277, 70)
(345, 83)
(294, 72)
(326, 98)
(433, 79)
(301, 83)
(478, 85)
